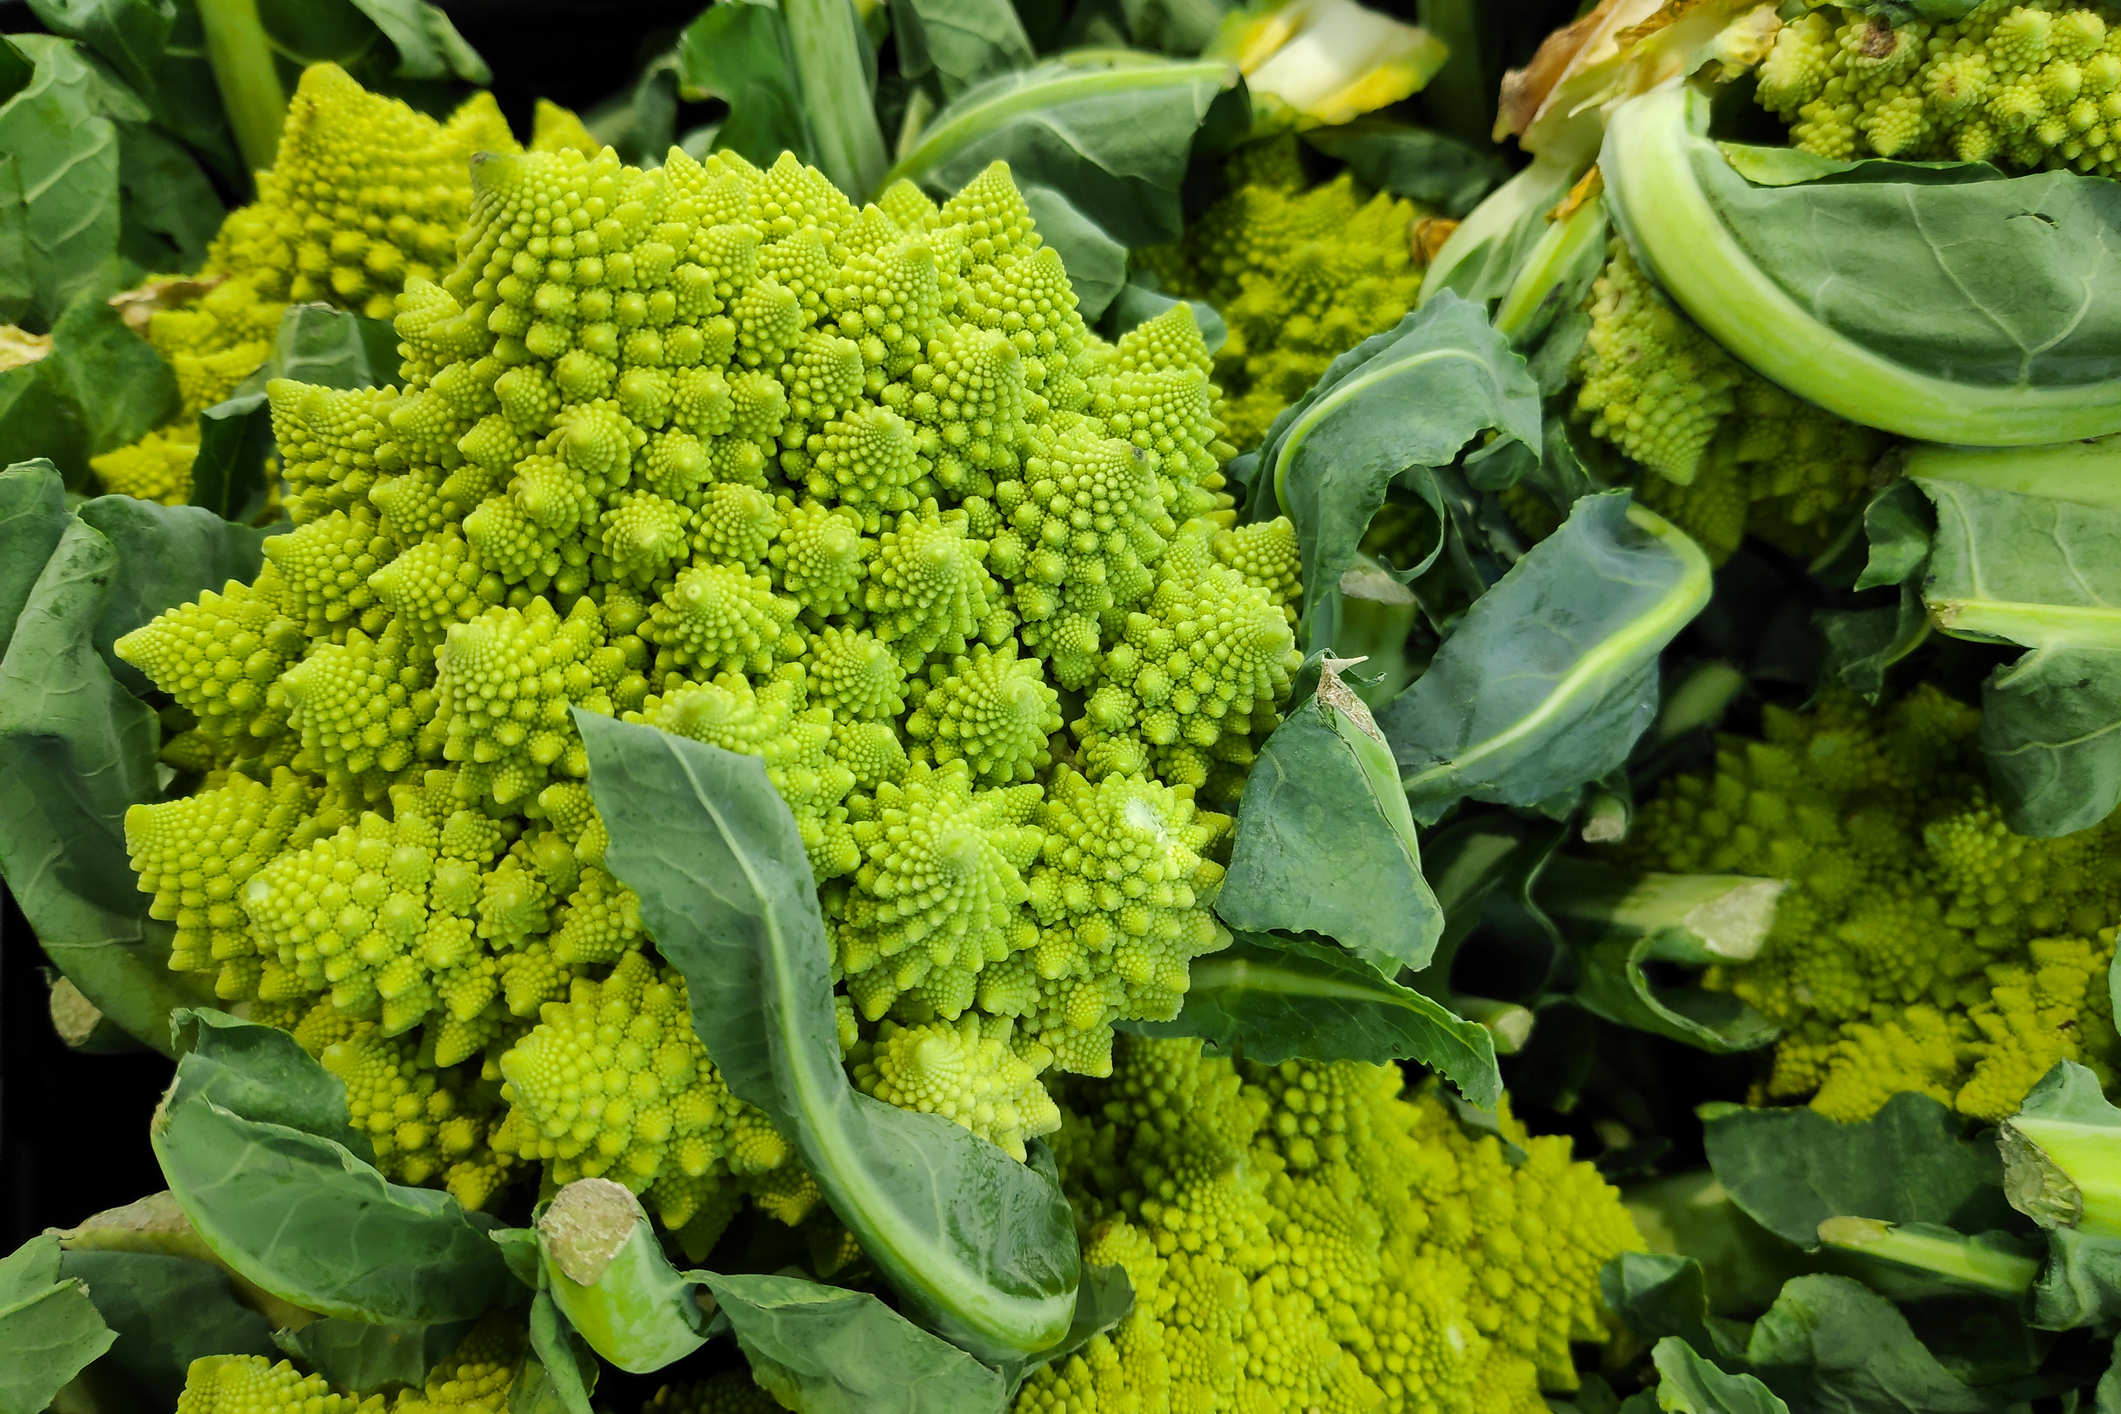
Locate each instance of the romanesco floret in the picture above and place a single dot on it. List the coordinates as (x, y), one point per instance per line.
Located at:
(363, 195)
(1921, 945)
(731, 1392)
(1301, 276)
(252, 1384)
(622, 475)
(2025, 85)
(613, 1083)
(1306, 1236)
(1721, 451)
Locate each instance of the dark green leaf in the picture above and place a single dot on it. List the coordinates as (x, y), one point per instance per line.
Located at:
(1614, 982)
(171, 211)
(1097, 264)
(1325, 843)
(428, 45)
(252, 1138)
(975, 1243)
(1111, 131)
(1416, 163)
(960, 42)
(826, 1350)
(1791, 1169)
(1275, 998)
(739, 52)
(167, 1312)
(1409, 398)
(1552, 674)
(564, 1371)
(1690, 1384)
(49, 1328)
(159, 49)
(1829, 1343)
(115, 377)
(359, 1356)
(66, 158)
(1658, 1295)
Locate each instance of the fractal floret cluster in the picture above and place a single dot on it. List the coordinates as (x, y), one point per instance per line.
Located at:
(1302, 276)
(1920, 945)
(850, 490)
(1311, 1236)
(1720, 450)
(364, 195)
(477, 1377)
(2026, 85)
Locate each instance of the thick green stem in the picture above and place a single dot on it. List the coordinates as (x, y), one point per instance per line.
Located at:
(2085, 472)
(850, 144)
(1938, 1251)
(611, 1280)
(249, 80)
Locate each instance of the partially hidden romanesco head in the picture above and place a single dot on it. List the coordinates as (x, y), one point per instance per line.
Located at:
(1721, 451)
(2022, 85)
(364, 194)
(710, 448)
(475, 1378)
(1921, 945)
(1306, 1236)
(1302, 276)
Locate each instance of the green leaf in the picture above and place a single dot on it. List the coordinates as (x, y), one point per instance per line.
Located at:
(171, 210)
(1404, 400)
(167, 1312)
(254, 1141)
(1325, 843)
(960, 42)
(1832, 1343)
(566, 1369)
(2079, 1284)
(428, 45)
(1275, 998)
(358, 1355)
(48, 1327)
(1097, 264)
(76, 748)
(1416, 163)
(114, 376)
(1666, 1296)
(160, 50)
(1109, 130)
(835, 63)
(1691, 1384)
(826, 1350)
(1791, 1169)
(739, 52)
(1552, 674)
(66, 158)
(37, 424)
(975, 1244)
(1906, 297)
(1615, 982)
(2001, 566)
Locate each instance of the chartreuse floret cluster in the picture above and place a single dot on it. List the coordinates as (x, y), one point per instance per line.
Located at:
(476, 1378)
(364, 194)
(1308, 1236)
(1720, 450)
(1920, 945)
(852, 491)
(1302, 276)
(2023, 85)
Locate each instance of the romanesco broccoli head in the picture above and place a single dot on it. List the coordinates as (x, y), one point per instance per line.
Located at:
(852, 491)
(1921, 945)
(1308, 1236)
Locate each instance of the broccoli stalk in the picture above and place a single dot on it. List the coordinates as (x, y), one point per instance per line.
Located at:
(607, 1274)
(1700, 919)
(1991, 1262)
(246, 73)
(2084, 472)
(2062, 1154)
